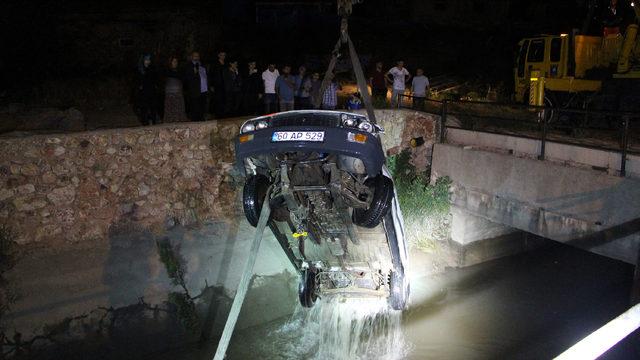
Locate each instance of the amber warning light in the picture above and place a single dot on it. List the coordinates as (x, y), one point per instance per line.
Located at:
(359, 138)
(245, 138)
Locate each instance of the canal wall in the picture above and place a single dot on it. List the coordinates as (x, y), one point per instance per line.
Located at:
(89, 217)
(571, 155)
(575, 205)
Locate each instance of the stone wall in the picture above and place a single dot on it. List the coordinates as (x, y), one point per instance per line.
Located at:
(72, 188)
(403, 125)
(88, 209)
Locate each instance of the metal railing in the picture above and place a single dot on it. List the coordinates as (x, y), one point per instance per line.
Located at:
(616, 131)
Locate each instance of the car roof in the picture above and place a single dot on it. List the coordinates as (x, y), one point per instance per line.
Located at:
(295, 113)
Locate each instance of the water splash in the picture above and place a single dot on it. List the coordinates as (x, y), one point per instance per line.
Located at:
(346, 328)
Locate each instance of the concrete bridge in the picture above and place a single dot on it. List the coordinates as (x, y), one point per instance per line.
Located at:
(574, 197)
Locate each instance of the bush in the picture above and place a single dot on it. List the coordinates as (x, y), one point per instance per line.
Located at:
(425, 207)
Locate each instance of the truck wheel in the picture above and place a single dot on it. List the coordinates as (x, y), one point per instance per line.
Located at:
(253, 193)
(398, 290)
(382, 188)
(307, 288)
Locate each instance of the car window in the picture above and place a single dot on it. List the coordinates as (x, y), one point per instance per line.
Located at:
(536, 51)
(521, 57)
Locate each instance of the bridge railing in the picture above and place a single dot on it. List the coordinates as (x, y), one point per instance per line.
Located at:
(617, 131)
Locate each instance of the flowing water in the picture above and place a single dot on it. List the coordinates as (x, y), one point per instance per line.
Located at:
(335, 328)
(528, 306)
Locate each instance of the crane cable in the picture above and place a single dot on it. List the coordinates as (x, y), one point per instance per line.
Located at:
(355, 62)
(245, 280)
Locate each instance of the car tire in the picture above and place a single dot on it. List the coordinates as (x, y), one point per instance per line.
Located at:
(382, 188)
(307, 288)
(253, 193)
(398, 290)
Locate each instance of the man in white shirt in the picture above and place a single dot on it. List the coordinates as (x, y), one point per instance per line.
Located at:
(269, 78)
(399, 76)
(419, 89)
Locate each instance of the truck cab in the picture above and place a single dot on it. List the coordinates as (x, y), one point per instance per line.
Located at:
(546, 53)
(563, 61)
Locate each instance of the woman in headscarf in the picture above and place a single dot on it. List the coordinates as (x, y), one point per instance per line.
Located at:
(147, 89)
(174, 110)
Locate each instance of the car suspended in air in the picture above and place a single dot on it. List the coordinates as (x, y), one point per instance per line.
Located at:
(333, 205)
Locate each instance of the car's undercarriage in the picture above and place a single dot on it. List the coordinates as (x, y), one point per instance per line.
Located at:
(336, 219)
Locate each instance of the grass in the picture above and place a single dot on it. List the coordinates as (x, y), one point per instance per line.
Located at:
(425, 207)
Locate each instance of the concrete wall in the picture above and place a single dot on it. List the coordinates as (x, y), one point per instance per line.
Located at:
(559, 202)
(572, 155)
(475, 239)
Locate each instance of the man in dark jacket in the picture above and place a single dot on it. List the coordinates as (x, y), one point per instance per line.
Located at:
(232, 89)
(147, 89)
(252, 90)
(217, 79)
(196, 88)
(378, 82)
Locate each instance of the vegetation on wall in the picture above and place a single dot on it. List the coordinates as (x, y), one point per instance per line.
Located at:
(425, 207)
(182, 300)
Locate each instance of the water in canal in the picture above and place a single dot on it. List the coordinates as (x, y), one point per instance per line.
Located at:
(529, 306)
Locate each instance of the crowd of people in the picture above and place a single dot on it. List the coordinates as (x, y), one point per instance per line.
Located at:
(192, 90)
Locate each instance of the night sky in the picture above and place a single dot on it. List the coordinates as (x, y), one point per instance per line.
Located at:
(60, 40)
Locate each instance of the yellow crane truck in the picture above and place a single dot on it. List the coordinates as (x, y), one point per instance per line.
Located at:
(579, 71)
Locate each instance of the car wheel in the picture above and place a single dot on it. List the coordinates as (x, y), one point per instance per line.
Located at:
(253, 193)
(307, 288)
(398, 290)
(382, 188)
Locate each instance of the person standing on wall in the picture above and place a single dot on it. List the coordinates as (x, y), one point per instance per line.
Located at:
(420, 89)
(173, 95)
(301, 102)
(197, 87)
(399, 76)
(217, 80)
(232, 89)
(315, 85)
(269, 78)
(147, 91)
(330, 96)
(285, 88)
(252, 90)
(379, 83)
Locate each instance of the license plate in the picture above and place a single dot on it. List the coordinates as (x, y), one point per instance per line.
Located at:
(298, 136)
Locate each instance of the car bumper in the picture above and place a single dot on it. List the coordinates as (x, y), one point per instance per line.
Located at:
(335, 142)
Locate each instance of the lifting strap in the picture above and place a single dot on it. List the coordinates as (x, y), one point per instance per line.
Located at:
(357, 69)
(243, 286)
